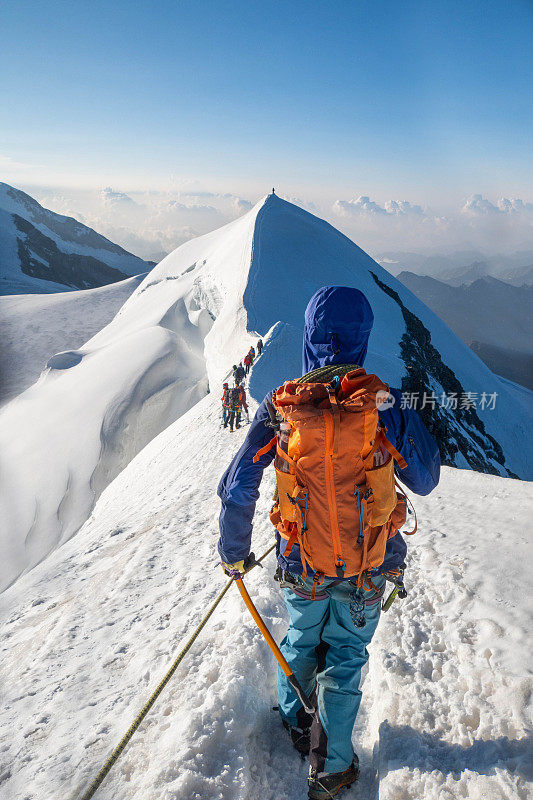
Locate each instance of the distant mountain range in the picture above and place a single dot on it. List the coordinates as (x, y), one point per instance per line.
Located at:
(463, 266)
(43, 252)
(493, 317)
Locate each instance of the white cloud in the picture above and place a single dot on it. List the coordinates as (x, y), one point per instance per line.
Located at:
(514, 206)
(112, 197)
(241, 206)
(176, 205)
(363, 205)
(476, 204)
(399, 224)
(307, 204)
(198, 194)
(402, 208)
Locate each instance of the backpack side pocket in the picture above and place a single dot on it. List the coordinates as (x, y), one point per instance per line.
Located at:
(381, 481)
(292, 498)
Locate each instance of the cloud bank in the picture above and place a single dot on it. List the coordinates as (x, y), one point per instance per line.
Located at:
(504, 225)
(153, 223)
(149, 224)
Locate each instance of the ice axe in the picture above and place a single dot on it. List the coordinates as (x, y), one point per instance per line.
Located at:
(308, 704)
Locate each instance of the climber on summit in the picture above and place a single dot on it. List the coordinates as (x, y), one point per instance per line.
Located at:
(342, 436)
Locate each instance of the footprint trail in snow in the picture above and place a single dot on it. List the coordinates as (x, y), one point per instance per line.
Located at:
(88, 634)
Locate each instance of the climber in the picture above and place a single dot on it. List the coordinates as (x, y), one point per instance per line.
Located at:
(224, 401)
(239, 373)
(243, 402)
(259, 347)
(342, 436)
(247, 362)
(234, 401)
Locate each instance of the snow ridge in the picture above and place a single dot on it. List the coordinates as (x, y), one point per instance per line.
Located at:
(177, 337)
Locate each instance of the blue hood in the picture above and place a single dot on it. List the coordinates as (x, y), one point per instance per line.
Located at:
(338, 321)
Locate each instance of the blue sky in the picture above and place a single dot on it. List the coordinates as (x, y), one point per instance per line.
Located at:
(413, 100)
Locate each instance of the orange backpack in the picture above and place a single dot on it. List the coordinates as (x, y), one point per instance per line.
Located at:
(336, 493)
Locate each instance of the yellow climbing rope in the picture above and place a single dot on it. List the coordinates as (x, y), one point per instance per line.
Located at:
(113, 758)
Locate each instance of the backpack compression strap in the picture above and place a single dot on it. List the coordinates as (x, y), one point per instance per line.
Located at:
(394, 453)
(265, 449)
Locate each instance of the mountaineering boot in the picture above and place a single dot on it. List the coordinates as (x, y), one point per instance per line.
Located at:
(300, 737)
(323, 785)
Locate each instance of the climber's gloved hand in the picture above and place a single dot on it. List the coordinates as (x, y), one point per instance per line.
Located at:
(239, 568)
(235, 570)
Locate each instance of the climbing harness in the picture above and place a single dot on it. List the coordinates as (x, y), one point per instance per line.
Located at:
(118, 750)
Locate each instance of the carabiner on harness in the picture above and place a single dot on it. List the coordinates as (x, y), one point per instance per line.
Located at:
(399, 590)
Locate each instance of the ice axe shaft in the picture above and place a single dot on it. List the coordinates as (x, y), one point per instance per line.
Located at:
(308, 704)
(390, 599)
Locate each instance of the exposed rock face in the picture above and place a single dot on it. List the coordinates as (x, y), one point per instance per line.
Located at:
(455, 429)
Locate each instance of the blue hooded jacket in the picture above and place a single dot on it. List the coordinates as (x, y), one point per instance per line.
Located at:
(338, 321)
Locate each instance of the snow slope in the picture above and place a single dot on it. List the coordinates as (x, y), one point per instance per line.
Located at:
(36, 326)
(93, 409)
(41, 251)
(88, 634)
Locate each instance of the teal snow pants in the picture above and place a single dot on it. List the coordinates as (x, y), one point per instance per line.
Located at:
(327, 653)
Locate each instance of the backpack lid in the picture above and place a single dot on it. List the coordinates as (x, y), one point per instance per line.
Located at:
(357, 391)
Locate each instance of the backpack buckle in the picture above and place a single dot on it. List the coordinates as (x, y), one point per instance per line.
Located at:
(340, 568)
(333, 385)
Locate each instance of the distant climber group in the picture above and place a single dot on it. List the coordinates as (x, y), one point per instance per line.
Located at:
(234, 398)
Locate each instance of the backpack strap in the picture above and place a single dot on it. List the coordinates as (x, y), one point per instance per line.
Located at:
(318, 580)
(409, 506)
(402, 463)
(332, 388)
(295, 537)
(265, 449)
